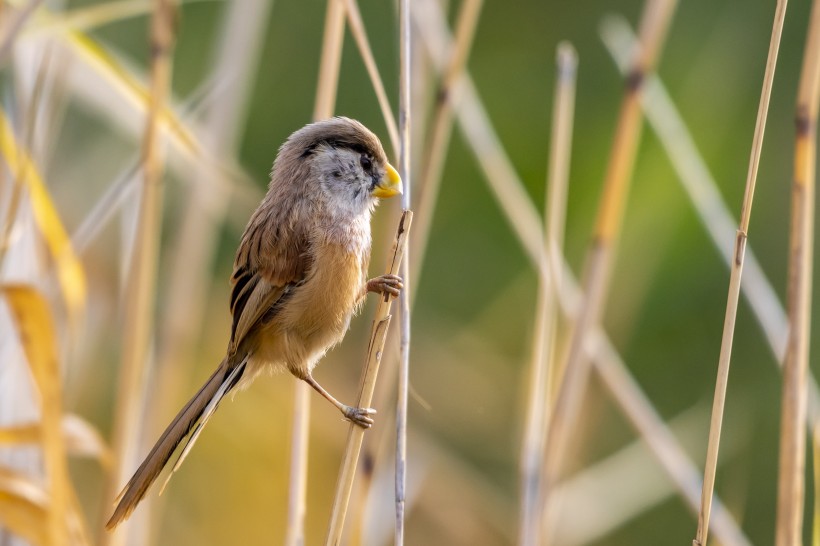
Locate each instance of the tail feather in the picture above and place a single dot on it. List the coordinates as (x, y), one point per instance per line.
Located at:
(195, 413)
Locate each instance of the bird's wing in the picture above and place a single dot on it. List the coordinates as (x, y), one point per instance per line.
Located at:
(267, 267)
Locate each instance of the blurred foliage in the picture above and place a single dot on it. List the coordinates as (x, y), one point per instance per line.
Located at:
(476, 296)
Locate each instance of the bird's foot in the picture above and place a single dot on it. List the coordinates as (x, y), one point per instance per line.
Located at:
(359, 416)
(390, 285)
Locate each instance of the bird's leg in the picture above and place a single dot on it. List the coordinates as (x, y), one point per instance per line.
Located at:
(359, 416)
(390, 285)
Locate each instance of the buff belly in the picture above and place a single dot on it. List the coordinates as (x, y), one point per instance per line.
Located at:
(315, 317)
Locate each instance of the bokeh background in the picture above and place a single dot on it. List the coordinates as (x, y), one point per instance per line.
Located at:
(475, 296)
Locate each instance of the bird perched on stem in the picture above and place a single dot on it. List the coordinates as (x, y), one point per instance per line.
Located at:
(299, 275)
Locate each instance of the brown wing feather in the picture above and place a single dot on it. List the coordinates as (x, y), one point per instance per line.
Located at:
(270, 261)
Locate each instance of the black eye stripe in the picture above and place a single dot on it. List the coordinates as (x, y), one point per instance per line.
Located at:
(338, 144)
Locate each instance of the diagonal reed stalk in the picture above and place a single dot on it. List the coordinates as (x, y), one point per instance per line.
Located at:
(14, 27)
(710, 467)
(141, 287)
(543, 346)
(503, 181)
(355, 434)
(791, 478)
(429, 178)
(354, 18)
(601, 254)
(326, 91)
(435, 152)
(405, 44)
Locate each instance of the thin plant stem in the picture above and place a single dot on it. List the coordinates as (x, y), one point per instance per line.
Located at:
(815, 449)
(532, 448)
(638, 409)
(375, 349)
(503, 180)
(601, 253)
(141, 286)
(721, 383)
(10, 215)
(14, 28)
(474, 122)
(791, 475)
(702, 189)
(354, 18)
(326, 91)
(405, 118)
(435, 152)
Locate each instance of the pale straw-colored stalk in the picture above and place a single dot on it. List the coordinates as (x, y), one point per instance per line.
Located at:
(721, 383)
(141, 285)
(543, 346)
(438, 142)
(405, 44)
(601, 254)
(702, 190)
(792, 472)
(14, 26)
(503, 180)
(354, 18)
(375, 349)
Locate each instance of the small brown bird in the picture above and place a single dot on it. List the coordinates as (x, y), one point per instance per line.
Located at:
(298, 277)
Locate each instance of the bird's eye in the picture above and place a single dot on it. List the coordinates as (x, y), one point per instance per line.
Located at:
(366, 162)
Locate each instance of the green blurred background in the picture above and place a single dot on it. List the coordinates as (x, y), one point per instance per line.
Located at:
(473, 320)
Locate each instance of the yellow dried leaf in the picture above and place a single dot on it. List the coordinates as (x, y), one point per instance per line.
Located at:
(24, 510)
(32, 319)
(81, 438)
(130, 88)
(24, 171)
(23, 507)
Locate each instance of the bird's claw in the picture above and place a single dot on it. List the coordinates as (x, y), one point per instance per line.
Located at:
(359, 416)
(390, 285)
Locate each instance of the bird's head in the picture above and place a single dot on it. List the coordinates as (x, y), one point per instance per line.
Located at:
(344, 161)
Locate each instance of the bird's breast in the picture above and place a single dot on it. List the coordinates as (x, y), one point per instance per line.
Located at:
(321, 307)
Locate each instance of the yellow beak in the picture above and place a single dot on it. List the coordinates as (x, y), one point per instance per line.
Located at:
(389, 185)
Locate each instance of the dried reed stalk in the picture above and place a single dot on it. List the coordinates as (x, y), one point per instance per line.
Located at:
(815, 449)
(791, 478)
(543, 349)
(354, 18)
(654, 24)
(326, 91)
(721, 383)
(141, 288)
(435, 152)
(375, 349)
(522, 217)
(404, 298)
(14, 27)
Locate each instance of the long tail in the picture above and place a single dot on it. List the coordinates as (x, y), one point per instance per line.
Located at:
(193, 416)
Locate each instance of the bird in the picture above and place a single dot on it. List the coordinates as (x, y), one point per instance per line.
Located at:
(299, 275)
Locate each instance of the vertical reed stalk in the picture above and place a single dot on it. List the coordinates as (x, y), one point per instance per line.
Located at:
(404, 298)
(435, 152)
(354, 18)
(326, 90)
(710, 467)
(141, 286)
(815, 450)
(355, 434)
(546, 318)
(601, 253)
(791, 478)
